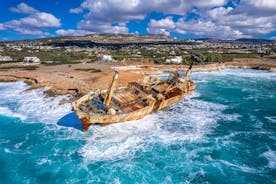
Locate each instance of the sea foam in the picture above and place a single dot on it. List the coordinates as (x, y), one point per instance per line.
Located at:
(30, 105)
(246, 73)
(7, 112)
(270, 155)
(188, 120)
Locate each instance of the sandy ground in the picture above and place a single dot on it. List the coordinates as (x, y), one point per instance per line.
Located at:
(65, 79)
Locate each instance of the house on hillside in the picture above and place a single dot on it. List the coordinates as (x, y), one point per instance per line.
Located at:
(5, 58)
(260, 51)
(174, 60)
(106, 58)
(31, 60)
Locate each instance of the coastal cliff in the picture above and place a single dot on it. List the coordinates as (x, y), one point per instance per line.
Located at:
(79, 79)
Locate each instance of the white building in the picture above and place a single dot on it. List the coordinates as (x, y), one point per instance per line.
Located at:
(5, 58)
(106, 58)
(261, 51)
(172, 53)
(174, 60)
(31, 60)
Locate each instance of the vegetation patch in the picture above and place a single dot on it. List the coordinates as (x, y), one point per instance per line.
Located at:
(243, 55)
(56, 55)
(271, 57)
(61, 63)
(92, 70)
(31, 67)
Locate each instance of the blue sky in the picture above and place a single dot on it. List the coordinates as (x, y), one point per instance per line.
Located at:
(183, 19)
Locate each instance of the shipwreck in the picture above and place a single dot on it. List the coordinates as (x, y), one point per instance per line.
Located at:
(133, 101)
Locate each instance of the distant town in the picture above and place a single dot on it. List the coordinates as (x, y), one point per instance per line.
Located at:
(159, 49)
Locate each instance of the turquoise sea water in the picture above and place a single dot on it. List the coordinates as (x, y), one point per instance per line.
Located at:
(224, 133)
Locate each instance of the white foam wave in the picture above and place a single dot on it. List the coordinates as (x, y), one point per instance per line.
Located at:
(31, 106)
(7, 150)
(193, 95)
(243, 168)
(248, 73)
(195, 177)
(18, 145)
(200, 81)
(44, 161)
(117, 140)
(7, 112)
(188, 120)
(270, 155)
(4, 141)
(110, 151)
(272, 119)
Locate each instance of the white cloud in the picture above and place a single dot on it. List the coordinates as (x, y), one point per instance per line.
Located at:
(161, 31)
(23, 8)
(167, 23)
(103, 14)
(224, 22)
(34, 23)
(217, 13)
(72, 32)
(260, 4)
(101, 27)
(2, 27)
(251, 25)
(209, 3)
(243, 21)
(256, 8)
(208, 29)
(125, 10)
(197, 27)
(161, 26)
(75, 10)
(87, 27)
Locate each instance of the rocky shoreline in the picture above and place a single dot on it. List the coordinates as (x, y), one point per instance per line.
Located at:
(64, 79)
(268, 65)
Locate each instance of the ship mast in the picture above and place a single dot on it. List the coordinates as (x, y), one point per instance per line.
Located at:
(189, 71)
(111, 89)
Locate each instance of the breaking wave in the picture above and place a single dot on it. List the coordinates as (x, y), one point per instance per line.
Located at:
(30, 105)
(188, 120)
(246, 73)
(7, 112)
(270, 155)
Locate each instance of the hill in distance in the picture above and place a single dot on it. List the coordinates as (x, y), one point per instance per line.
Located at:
(134, 39)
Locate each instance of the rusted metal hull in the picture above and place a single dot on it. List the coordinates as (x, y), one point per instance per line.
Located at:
(130, 103)
(89, 118)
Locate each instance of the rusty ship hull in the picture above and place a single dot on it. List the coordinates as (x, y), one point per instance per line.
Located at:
(132, 102)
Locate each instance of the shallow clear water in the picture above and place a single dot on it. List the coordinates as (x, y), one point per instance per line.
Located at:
(224, 133)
